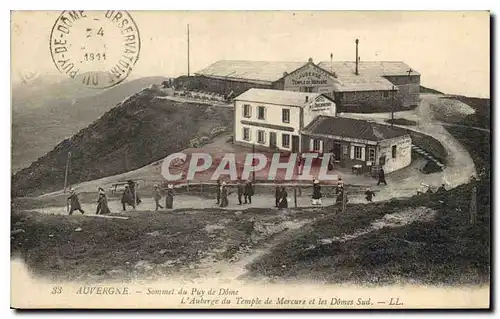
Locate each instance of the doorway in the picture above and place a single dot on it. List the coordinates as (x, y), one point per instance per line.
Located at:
(295, 143)
(336, 150)
(272, 139)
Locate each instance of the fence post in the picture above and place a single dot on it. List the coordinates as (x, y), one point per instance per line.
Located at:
(344, 196)
(295, 196)
(473, 206)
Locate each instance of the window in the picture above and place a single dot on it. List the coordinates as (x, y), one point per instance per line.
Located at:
(316, 145)
(386, 93)
(285, 115)
(261, 137)
(358, 153)
(262, 113)
(345, 149)
(308, 89)
(371, 155)
(285, 140)
(394, 151)
(246, 134)
(247, 110)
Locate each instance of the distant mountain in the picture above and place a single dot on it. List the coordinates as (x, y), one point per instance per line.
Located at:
(43, 114)
(135, 133)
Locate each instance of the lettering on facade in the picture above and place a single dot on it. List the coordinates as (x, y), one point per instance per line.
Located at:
(309, 77)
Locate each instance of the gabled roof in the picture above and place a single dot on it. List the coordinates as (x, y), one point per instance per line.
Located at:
(352, 128)
(279, 97)
(257, 71)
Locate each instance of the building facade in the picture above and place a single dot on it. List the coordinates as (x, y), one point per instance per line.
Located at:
(358, 142)
(267, 118)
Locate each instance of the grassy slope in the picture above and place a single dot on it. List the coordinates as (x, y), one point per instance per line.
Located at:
(449, 251)
(43, 118)
(133, 134)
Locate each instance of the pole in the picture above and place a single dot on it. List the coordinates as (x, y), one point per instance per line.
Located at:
(253, 161)
(295, 196)
(66, 172)
(392, 108)
(135, 195)
(188, 48)
(344, 195)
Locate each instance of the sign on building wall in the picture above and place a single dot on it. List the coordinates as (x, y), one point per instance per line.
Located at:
(308, 77)
(321, 104)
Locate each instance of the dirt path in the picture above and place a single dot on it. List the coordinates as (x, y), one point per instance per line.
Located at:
(460, 166)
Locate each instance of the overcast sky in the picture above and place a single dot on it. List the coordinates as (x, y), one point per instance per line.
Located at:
(450, 49)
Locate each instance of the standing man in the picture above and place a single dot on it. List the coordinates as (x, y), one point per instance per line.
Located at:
(102, 203)
(283, 203)
(169, 198)
(133, 190)
(157, 197)
(241, 191)
(381, 177)
(218, 191)
(223, 195)
(340, 185)
(277, 195)
(74, 202)
(316, 195)
(248, 192)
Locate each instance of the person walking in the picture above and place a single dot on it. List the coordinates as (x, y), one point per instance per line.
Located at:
(223, 195)
(218, 190)
(277, 195)
(381, 177)
(340, 185)
(169, 198)
(248, 192)
(74, 202)
(283, 203)
(157, 197)
(133, 191)
(127, 198)
(369, 194)
(316, 195)
(241, 191)
(102, 203)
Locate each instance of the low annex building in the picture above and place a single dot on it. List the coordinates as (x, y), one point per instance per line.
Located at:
(274, 119)
(359, 142)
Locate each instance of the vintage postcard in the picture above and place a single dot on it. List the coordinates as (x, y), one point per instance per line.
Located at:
(250, 159)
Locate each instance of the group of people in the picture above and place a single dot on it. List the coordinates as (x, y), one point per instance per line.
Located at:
(169, 197)
(245, 191)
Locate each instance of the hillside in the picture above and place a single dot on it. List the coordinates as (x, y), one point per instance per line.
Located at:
(45, 114)
(135, 133)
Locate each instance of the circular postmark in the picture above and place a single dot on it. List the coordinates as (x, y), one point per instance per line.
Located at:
(96, 48)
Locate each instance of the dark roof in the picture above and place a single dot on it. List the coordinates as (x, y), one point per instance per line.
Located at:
(352, 128)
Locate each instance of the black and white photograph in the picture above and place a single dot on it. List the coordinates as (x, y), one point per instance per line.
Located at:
(250, 159)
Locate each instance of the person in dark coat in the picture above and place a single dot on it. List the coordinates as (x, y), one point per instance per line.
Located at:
(316, 195)
(218, 191)
(340, 185)
(102, 203)
(157, 197)
(341, 193)
(277, 195)
(248, 192)
(381, 177)
(74, 202)
(127, 198)
(369, 194)
(223, 195)
(133, 191)
(283, 203)
(241, 191)
(169, 198)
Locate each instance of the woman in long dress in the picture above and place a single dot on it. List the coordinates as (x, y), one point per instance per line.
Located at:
(102, 203)
(169, 198)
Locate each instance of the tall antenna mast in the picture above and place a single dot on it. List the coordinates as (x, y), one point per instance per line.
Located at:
(188, 47)
(331, 63)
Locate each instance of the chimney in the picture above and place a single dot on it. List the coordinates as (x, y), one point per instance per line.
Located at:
(310, 60)
(357, 58)
(307, 98)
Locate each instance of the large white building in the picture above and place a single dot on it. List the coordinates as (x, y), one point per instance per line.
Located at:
(273, 118)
